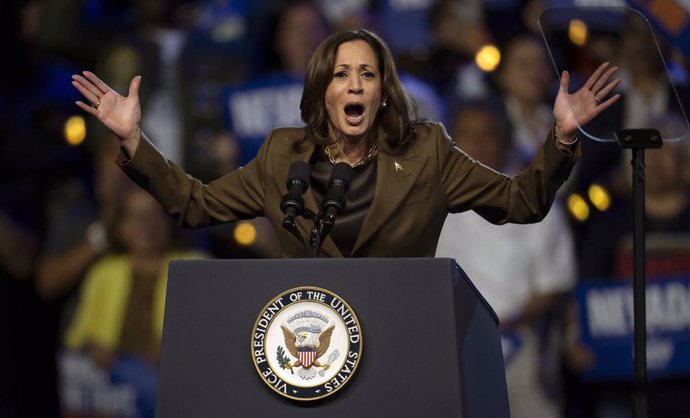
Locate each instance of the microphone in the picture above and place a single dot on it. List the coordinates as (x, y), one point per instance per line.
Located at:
(334, 202)
(292, 204)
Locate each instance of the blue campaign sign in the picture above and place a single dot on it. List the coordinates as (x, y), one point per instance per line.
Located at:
(405, 24)
(606, 314)
(255, 108)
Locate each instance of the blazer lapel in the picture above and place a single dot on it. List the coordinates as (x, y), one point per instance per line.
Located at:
(395, 176)
(304, 225)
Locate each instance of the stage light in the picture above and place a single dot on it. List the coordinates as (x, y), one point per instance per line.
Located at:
(578, 207)
(75, 130)
(599, 197)
(577, 32)
(245, 233)
(487, 58)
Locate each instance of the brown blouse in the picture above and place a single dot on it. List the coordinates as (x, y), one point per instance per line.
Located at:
(358, 199)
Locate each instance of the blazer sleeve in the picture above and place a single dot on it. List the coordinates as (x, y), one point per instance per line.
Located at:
(526, 198)
(237, 195)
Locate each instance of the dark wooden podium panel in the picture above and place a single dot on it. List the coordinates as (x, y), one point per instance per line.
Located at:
(431, 344)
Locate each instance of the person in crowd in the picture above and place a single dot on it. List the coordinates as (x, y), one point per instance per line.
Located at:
(524, 78)
(119, 318)
(522, 271)
(294, 30)
(407, 174)
(458, 30)
(606, 255)
(77, 226)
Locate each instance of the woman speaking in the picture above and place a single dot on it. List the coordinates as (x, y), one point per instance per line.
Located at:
(407, 175)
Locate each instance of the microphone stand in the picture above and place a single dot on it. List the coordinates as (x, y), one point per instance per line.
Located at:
(315, 240)
(318, 234)
(637, 140)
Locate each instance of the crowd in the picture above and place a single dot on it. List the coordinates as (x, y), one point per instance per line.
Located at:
(84, 252)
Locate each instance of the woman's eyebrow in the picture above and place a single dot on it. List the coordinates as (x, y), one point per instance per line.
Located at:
(362, 66)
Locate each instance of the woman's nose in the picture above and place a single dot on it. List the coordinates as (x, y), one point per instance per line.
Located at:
(355, 86)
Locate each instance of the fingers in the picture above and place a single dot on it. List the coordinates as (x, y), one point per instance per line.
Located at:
(601, 94)
(88, 90)
(595, 76)
(599, 84)
(100, 85)
(611, 100)
(565, 81)
(134, 86)
(87, 108)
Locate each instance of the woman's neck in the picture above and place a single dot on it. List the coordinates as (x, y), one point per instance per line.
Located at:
(350, 150)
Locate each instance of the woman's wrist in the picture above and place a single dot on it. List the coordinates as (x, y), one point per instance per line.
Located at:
(564, 137)
(131, 143)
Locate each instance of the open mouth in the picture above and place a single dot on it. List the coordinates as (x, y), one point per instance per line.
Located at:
(354, 113)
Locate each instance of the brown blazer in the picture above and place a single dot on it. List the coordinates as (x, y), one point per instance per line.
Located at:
(414, 191)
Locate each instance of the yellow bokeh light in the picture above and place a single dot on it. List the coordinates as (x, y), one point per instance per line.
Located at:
(577, 32)
(487, 58)
(75, 130)
(599, 197)
(578, 208)
(245, 233)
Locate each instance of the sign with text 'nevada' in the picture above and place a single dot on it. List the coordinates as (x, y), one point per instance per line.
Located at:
(606, 314)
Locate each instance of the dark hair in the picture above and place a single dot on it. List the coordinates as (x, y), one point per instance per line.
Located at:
(395, 119)
(269, 25)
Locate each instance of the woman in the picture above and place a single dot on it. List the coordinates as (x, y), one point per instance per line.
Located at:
(408, 174)
(119, 318)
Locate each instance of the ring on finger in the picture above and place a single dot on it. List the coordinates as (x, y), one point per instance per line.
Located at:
(98, 103)
(596, 99)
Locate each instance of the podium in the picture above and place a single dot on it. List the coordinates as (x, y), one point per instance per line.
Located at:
(431, 346)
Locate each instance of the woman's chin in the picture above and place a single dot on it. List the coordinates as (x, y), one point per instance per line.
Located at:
(354, 132)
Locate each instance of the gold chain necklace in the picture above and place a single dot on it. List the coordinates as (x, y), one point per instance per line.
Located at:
(372, 152)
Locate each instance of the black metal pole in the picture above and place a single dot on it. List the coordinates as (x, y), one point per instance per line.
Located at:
(637, 140)
(640, 388)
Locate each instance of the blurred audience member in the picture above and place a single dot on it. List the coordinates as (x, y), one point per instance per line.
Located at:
(522, 270)
(293, 31)
(119, 320)
(77, 225)
(458, 30)
(524, 79)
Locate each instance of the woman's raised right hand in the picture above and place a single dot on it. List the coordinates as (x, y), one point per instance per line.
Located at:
(122, 115)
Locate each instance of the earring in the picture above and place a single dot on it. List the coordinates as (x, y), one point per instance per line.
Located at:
(384, 104)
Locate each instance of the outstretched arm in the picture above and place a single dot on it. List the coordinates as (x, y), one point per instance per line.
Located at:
(122, 115)
(573, 110)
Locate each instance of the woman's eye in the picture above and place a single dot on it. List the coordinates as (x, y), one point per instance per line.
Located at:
(340, 74)
(368, 75)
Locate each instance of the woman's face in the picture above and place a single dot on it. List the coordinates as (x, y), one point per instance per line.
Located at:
(353, 96)
(526, 74)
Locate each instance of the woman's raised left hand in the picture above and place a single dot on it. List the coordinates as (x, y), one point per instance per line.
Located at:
(573, 110)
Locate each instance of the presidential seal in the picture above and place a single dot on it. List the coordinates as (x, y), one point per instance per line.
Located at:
(306, 343)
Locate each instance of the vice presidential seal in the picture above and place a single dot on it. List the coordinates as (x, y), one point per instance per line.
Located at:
(306, 343)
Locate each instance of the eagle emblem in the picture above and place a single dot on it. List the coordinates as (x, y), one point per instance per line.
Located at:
(307, 336)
